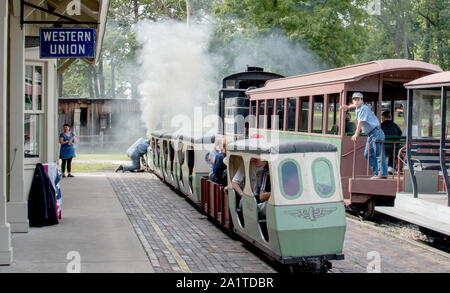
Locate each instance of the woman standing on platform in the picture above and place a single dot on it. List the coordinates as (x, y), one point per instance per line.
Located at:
(67, 151)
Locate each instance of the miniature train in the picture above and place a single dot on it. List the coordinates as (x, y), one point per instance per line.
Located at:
(304, 225)
(305, 216)
(301, 125)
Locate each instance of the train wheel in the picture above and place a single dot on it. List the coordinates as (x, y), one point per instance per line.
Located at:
(369, 210)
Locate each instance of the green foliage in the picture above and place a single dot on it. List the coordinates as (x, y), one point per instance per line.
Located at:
(416, 30)
(76, 78)
(331, 32)
(334, 30)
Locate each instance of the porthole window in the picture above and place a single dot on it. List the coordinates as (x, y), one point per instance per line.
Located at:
(290, 179)
(323, 177)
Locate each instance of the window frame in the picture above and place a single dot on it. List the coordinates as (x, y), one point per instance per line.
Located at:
(299, 175)
(34, 111)
(330, 165)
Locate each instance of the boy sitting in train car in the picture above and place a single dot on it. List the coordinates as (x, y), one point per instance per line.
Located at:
(257, 170)
(264, 194)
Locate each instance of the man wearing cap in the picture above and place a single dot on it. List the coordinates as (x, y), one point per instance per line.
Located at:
(135, 152)
(370, 125)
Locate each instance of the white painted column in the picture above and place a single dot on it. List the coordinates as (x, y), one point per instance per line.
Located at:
(17, 205)
(6, 251)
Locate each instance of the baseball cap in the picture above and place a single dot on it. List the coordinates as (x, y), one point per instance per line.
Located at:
(357, 95)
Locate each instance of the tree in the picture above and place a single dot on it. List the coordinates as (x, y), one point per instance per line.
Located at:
(334, 30)
(433, 30)
(416, 30)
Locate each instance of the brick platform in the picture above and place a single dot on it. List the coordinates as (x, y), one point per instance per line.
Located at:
(396, 255)
(176, 237)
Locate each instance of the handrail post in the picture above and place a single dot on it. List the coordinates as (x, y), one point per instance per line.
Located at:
(354, 159)
(408, 142)
(442, 141)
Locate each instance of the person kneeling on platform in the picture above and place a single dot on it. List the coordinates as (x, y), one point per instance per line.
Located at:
(135, 152)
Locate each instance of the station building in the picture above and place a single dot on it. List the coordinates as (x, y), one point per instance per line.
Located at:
(29, 98)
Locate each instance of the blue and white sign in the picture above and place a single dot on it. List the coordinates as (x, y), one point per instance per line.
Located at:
(67, 42)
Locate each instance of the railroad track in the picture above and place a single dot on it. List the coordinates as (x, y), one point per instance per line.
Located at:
(402, 230)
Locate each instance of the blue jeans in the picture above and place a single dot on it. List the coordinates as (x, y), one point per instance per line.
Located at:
(135, 163)
(376, 151)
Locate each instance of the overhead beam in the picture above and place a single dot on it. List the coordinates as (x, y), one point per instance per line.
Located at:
(28, 11)
(63, 64)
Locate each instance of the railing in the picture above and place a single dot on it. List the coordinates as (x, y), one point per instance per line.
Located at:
(395, 146)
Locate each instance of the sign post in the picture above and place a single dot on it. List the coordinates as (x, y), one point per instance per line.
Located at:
(67, 43)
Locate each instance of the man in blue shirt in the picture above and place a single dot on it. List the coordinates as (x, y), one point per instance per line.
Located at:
(370, 125)
(135, 152)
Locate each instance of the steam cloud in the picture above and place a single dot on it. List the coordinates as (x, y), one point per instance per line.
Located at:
(179, 73)
(175, 67)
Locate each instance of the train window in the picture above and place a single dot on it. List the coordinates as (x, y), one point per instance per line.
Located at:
(165, 158)
(257, 169)
(333, 114)
(172, 158)
(261, 106)
(292, 107)
(280, 114)
(304, 114)
(269, 113)
(398, 115)
(323, 177)
(318, 114)
(236, 163)
(290, 178)
(153, 150)
(158, 153)
(426, 120)
(253, 114)
(230, 84)
(181, 156)
(190, 162)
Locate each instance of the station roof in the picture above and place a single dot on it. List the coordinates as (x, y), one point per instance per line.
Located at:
(434, 80)
(281, 146)
(346, 74)
(93, 13)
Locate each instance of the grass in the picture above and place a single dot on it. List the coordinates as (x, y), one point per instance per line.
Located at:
(96, 162)
(103, 157)
(93, 167)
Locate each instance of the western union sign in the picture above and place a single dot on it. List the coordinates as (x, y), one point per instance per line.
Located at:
(67, 42)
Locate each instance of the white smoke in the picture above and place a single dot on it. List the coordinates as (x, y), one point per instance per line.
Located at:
(275, 52)
(175, 69)
(179, 73)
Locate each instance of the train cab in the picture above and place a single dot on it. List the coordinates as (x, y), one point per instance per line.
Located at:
(291, 204)
(234, 105)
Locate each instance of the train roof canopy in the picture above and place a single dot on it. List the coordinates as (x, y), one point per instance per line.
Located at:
(346, 74)
(434, 80)
(161, 132)
(197, 138)
(281, 146)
